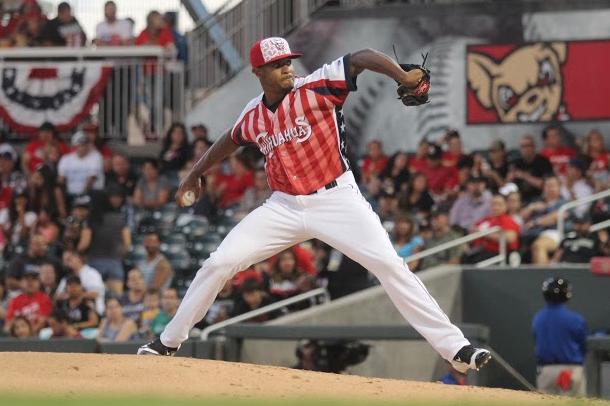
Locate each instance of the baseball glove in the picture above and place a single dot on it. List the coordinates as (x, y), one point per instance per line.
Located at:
(417, 95)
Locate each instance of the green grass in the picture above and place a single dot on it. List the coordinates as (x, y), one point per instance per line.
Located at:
(10, 400)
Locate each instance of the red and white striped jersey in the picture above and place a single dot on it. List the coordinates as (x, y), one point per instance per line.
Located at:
(303, 141)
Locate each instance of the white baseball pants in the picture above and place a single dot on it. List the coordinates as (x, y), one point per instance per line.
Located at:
(343, 219)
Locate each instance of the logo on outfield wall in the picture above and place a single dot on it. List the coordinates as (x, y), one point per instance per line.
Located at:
(538, 82)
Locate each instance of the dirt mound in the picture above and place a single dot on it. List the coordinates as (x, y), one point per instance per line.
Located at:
(70, 374)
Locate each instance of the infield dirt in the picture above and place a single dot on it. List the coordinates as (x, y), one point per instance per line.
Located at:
(69, 375)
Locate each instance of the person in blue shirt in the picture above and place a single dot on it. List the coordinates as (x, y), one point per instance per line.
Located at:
(560, 336)
(405, 238)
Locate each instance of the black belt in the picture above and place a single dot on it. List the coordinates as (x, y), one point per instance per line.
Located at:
(329, 185)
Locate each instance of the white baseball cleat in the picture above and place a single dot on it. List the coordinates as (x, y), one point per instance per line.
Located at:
(470, 357)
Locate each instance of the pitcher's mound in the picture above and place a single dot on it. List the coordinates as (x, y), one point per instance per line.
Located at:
(69, 374)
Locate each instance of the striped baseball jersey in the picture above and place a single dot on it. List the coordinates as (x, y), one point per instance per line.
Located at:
(303, 141)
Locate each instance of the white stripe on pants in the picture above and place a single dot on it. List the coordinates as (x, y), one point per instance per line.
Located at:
(340, 217)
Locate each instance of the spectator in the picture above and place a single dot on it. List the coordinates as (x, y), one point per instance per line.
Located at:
(60, 326)
(560, 336)
(91, 131)
(171, 21)
(396, 172)
(152, 190)
(200, 132)
(21, 328)
(33, 304)
(286, 276)
(558, 154)
(169, 307)
(441, 179)
(83, 169)
(513, 206)
(80, 310)
(45, 193)
(77, 230)
(375, 161)
(528, 171)
(540, 221)
(465, 170)
(10, 177)
(575, 186)
(121, 174)
(156, 32)
(454, 150)
(442, 233)
(35, 256)
(47, 227)
(37, 150)
(406, 240)
(489, 246)
(48, 278)
(155, 268)
(175, 151)
(578, 246)
(256, 195)
(110, 241)
(115, 327)
(496, 169)
(64, 30)
(19, 221)
(419, 161)
(416, 199)
(132, 301)
(151, 310)
(472, 205)
(113, 31)
(387, 209)
(230, 188)
(252, 297)
(29, 23)
(198, 148)
(90, 279)
(599, 159)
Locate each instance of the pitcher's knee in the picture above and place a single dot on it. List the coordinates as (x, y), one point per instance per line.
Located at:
(222, 265)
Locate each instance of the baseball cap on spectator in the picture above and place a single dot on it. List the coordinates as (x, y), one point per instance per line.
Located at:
(439, 210)
(6, 153)
(79, 138)
(434, 151)
(31, 273)
(270, 50)
(47, 126)
(579, 164)
(82, 201)
(508, 188)
(250, 285)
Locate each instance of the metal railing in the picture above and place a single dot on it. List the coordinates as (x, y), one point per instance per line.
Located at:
(205, 333)
(242, 25)
(144, 94)
(500, 258)
(561, 212)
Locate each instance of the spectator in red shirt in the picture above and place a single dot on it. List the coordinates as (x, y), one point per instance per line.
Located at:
(558, 154)
(442, 180)
(36, 152)
(418, 162)
(489, 246)
(454, 150)
(595, 150)
(375, 160)
(33, 304)
(156, 32)
(231, 188)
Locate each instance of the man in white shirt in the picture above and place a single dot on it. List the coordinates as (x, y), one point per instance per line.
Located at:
(83, 169)
(90, 278)
(113, 31)
(575, 186)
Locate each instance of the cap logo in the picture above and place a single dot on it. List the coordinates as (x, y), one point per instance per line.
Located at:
(274, 47)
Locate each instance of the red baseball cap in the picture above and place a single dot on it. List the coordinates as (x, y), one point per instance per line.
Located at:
(269, 50)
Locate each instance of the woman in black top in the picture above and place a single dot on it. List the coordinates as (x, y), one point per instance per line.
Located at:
(416, 199)
(175, 150)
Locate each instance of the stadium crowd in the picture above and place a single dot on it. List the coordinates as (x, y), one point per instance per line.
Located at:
(93, 245)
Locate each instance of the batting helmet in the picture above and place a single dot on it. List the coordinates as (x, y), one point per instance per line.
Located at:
(556, 290)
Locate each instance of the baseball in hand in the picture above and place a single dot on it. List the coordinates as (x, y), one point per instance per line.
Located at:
(188, 198)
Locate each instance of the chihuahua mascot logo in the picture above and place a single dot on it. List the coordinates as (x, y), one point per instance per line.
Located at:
(525, 86)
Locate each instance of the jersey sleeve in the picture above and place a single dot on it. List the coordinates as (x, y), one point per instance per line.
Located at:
(239, 135)
(333, 80)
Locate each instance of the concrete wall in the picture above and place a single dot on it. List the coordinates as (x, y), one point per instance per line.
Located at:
(414, 360)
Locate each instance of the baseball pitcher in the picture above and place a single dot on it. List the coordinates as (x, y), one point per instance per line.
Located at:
(298, 125)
